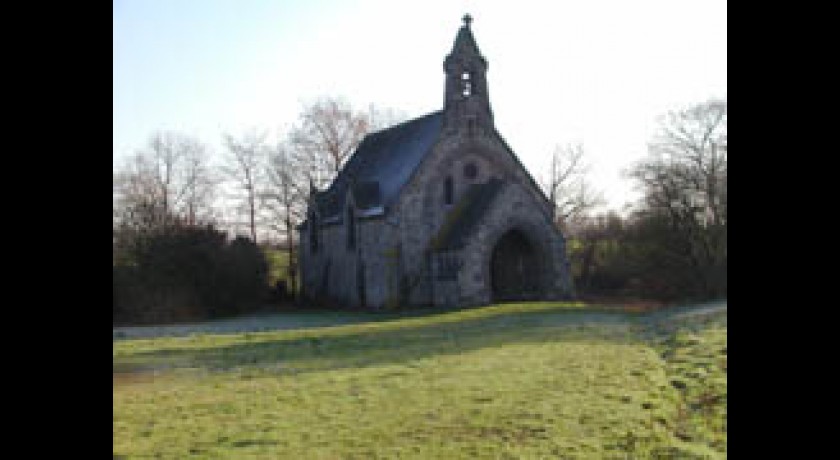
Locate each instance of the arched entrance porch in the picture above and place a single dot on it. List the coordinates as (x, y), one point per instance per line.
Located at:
(516, 268)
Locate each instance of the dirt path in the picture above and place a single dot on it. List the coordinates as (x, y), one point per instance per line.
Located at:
(303, 320)
(687, 311)
(247, 323)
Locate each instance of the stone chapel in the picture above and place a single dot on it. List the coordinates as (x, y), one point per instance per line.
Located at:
(437, 210)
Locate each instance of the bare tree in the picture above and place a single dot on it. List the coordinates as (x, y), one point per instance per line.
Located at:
(328, 132)
(200, 183)
(567, 186)
(137, 198)
(383, 118)
(684, 181)
(245, 167)
(167, 182)
(284, 199)
(169, 179)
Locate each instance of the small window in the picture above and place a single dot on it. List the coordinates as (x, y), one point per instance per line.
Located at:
(470, 171)
(467, 84)
(448, 190)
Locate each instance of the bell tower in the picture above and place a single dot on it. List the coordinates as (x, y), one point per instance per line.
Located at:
(466, 101)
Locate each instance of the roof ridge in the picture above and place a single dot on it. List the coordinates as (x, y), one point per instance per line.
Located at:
(403, 123)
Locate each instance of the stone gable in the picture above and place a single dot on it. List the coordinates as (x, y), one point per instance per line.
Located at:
(463, 223)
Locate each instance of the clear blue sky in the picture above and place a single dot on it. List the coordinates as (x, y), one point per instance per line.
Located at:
(596, 72)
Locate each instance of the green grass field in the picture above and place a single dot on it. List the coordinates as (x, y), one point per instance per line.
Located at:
(540, 380)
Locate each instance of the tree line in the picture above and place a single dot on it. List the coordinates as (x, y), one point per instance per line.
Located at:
(177, 206)
(672, 245)
(188, 230)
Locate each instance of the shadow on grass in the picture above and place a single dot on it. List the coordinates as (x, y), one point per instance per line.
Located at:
(275, 320)
(400, 341)
(391, 342)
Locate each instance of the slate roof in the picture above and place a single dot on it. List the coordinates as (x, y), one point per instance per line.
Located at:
(381, 165)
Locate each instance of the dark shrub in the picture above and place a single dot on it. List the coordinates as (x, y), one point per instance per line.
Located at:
(189, 273)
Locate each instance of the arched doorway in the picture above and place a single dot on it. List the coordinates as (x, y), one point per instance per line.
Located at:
(515, 268)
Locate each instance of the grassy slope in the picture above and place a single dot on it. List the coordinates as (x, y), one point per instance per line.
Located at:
(510, 381)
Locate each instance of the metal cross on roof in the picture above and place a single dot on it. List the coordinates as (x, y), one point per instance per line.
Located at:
(467, 19)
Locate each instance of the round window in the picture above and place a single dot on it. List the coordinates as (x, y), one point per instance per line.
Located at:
(470, 170)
